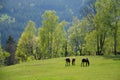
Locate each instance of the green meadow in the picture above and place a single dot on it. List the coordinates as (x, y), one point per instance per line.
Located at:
(101, 68)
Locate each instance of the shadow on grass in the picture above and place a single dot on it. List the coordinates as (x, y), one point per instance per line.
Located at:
(114, 57)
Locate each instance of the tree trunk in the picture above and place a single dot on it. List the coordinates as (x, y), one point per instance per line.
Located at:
(100, 43)
(66, 51)
(97, 52)
(115, 38)
(102, 40)
(115, 41)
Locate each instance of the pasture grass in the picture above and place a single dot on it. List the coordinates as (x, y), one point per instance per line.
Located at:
(101, 68)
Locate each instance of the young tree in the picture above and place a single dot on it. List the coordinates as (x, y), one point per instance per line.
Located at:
(46, 33)
(26, 44)
(76, 34)
(51, 36)
(59, 40)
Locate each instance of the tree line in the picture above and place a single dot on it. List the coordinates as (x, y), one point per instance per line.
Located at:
(96, 34)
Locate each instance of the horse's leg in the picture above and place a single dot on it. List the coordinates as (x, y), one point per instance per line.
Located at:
(74, 63)
(86, 63)
(81, 64)
(66, 64)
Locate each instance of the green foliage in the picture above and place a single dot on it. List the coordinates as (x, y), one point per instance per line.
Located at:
(106, 21)
(76, 34)
(30, 58)
(59, 40)
(90, 40)
(26, 43)
(51, 36)
(3, 56)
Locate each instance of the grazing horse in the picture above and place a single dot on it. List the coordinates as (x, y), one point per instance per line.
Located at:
(73, 61)
(67, 61)
(85, 60)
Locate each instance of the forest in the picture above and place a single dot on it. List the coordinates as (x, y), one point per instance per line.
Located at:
(97, 33)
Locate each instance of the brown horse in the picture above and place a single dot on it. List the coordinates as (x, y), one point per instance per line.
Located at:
(85, 60)
(67, 61)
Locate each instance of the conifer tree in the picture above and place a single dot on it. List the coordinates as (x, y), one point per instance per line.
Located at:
(3, 54)
(11, 48)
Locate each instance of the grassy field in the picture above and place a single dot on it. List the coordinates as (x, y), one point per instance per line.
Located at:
(101, 68)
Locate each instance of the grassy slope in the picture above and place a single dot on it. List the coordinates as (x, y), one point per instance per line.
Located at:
(101, 68)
